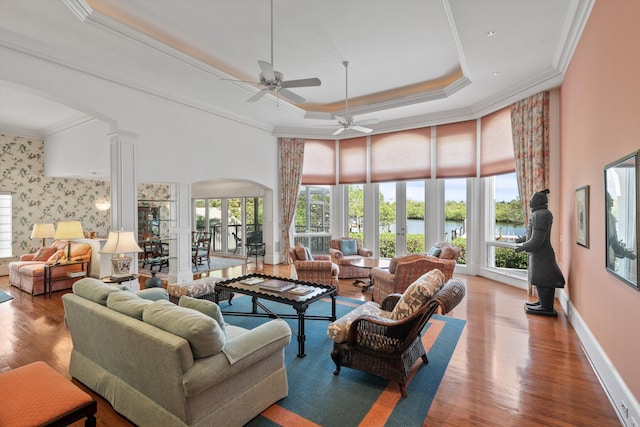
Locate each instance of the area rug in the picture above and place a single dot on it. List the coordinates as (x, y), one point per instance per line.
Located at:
(352, 398)
(216, 263)
(5, 296)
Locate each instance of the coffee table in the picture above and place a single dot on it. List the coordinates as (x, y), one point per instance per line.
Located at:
(368, 263)
(300, 303)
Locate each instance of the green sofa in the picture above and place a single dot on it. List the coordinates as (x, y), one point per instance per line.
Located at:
(162, 364)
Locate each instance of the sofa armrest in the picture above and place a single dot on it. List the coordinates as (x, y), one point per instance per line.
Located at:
(26, 257)
(245, 350)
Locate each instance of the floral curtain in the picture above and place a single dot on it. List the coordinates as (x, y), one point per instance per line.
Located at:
(291, 158)
(530, 127)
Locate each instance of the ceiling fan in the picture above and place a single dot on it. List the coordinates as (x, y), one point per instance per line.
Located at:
(347, 122)
(273, 81)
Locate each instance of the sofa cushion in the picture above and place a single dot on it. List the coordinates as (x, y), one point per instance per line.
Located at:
(448, 253)
(202, 332)
(301, 252)
(204, 306)
(348, 247)
(307, 252)
(59, 255)
(418, 293)
(153, 294)
(127, 303)
(44, 253)
(434, 252)
(93, 290)
(339, 329)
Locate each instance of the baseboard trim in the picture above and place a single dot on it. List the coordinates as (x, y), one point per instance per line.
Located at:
(612, 383)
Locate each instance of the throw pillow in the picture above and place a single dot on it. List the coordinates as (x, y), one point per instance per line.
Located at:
(348, 247)
(301, 252)
(435, 252)
(204, 306)
(127, 303)
(308, 254)
(44, 253)
(418, 294)
(59, 256)
(202, 332)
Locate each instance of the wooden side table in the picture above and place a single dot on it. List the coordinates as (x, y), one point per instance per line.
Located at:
(48, 273)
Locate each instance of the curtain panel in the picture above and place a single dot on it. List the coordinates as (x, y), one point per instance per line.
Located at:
(530, 127)
(291, 161)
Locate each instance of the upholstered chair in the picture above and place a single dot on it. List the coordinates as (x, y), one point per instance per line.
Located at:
(401, 273)
(314, 268)
(343, 251)
(447, 253)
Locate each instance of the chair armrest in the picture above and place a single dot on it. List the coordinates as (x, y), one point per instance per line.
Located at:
(313, 265)
(321, 258)
(365, 252)
(390, 302)
(450, 295)
(335, 253)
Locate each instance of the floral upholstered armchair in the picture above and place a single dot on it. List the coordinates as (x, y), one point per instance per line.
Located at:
(313, 268)
(343, 251)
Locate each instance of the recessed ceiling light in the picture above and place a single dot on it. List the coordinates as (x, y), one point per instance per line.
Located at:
(491, 33)
(495, 73)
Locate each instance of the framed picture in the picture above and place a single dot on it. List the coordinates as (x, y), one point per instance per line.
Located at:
(582, 216)
(622, 194)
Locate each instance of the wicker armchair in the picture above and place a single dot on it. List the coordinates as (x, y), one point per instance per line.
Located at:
(447, 253)
(389, 348)
(401, 273)
(318, 270)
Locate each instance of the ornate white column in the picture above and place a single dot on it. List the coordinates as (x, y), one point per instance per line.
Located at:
(124, 192)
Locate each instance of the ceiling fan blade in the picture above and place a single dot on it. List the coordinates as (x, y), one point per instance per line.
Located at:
(291, 96)
(302, 83)
(339, 131)
(367, 122)
(267, 71)
(258, 95)
(361, 129)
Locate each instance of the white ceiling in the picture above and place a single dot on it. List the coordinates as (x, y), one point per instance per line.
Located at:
(412, 62)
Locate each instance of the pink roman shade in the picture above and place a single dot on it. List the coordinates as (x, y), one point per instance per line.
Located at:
(496, 149)
(352, 158)
(456, 150)
(319, 166)
(401, 155)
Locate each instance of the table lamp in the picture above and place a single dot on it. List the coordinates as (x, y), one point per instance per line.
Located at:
(119, 243)
(43, 231)
(68, 230)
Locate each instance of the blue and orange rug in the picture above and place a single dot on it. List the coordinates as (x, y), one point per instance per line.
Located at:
(319, 398)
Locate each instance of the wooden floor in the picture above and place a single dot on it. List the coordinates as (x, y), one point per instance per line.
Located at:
(509, 369)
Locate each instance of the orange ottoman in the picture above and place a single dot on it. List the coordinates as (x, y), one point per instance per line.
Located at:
(37, 395)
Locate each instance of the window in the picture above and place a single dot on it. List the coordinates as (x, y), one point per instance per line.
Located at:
(312, 221)
(455, 214)
(5, 226)
(356, 212)
(508, 225)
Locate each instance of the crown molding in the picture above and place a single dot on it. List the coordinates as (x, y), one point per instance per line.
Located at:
(580, 10)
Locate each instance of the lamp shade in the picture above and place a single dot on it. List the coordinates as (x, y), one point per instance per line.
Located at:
(68, 230)
(120, 242)
(43, 231)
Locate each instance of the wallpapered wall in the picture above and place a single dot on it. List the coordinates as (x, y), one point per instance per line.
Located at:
(40, 199)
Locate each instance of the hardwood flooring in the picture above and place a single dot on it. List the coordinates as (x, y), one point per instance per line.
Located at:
(509, 369)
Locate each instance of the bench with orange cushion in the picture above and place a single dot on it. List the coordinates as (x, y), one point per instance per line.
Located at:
(37, 395)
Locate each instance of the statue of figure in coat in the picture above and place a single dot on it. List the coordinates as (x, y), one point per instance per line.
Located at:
(544, 272)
